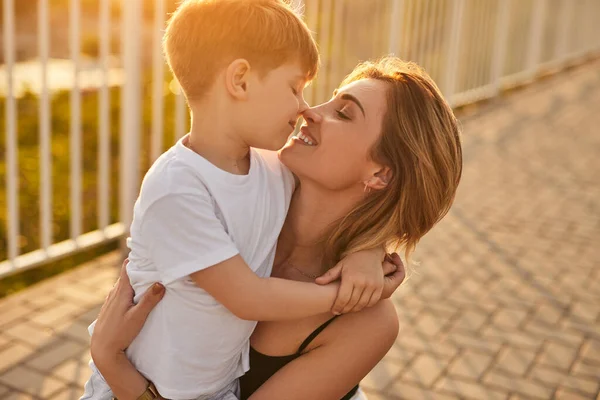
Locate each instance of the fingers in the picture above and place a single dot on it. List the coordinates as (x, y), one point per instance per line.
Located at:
(149, 300)
(396, 260)
(330, 276)
(364, 300)
(375, 297)
(357, 293)
(389, 268)
(392, 282)
(343, 297)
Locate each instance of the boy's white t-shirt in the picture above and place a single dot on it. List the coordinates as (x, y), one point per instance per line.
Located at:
(191, 215)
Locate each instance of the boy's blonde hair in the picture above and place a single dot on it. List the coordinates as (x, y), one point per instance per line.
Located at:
(204, 36)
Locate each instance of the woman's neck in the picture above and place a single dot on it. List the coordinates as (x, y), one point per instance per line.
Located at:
(312, 211)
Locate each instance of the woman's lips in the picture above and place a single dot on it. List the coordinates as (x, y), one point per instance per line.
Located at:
(306, 133)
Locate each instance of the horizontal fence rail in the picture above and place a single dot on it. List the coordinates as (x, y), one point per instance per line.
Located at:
(75, 145)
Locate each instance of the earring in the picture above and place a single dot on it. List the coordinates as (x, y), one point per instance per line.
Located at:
(367, 189)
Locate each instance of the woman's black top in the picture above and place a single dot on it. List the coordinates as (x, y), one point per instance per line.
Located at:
(262, 367)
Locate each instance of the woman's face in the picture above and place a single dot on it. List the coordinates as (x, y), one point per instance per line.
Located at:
(342, 132)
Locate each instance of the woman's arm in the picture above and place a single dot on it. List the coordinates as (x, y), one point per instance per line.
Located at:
(118, 323)
(350, 348)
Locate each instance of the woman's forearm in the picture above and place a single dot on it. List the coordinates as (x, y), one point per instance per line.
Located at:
(122, 377)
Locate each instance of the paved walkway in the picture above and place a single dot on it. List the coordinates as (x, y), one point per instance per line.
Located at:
(505, 303)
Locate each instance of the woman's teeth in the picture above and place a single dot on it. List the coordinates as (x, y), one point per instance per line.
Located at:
(305, 139)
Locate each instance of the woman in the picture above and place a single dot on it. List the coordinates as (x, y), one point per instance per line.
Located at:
(383, 170)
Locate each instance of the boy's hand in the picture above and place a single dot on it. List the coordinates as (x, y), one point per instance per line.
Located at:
(394, 271)
(362, 280)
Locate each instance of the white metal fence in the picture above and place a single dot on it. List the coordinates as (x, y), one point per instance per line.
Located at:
(472, 49)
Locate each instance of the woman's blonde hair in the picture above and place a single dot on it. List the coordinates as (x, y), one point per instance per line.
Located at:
(420, 143)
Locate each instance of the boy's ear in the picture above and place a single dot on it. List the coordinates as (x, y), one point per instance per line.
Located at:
(236, 78)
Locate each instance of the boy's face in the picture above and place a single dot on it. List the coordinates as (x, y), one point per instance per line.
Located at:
(274, 104)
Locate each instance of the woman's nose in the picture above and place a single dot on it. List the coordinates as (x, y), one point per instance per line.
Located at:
(312, 115)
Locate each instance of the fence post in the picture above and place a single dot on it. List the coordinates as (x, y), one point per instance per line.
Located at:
(396, 19)
(12, 173)
(536, 37)
(500, 42)
(130, 110)
(454, 48)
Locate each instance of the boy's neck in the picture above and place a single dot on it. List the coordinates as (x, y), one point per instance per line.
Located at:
(215, 139)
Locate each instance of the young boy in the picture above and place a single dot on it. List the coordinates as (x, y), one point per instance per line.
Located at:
(211, 208)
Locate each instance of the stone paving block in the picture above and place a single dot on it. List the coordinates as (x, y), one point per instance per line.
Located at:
(69, 393)
(55, 354)
(90, 315)
(14, 313)
(14, 354)
(558, 356)
(470, 321)
(409, 391)
(585, 369)
(479, 342)
(470, 365)
(510, 318)
(384, 374)
(73, 329)
(424, 370)
(31, 382)
(500, 380)
(19, 396)
(30, 333)
(419, 343)
(3, 391)
(515, 361)
(590, 352)
(4, 341)
(470, 389)
(74, 372)
(56, 314)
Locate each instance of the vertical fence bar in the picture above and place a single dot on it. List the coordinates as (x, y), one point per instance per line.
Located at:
(180, 114)
(44, 130)
(12, 182)
(560, 52)
(336, 66)
(536, 36)
(105, 36)
(453, 49)
(500, 43)
(311, 10)
(396, 18)
(158, 77)
(325, 46)
(130, 109)
(423, 34)
(416, 32)
(75, 124)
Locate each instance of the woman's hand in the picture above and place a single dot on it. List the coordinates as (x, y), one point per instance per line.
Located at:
(120, 321)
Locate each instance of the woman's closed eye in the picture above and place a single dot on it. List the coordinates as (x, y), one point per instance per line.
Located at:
(342, 115)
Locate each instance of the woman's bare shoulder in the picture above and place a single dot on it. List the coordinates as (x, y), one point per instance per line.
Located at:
(377, 324)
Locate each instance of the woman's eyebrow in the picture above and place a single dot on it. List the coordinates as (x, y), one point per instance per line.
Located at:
(348, 96)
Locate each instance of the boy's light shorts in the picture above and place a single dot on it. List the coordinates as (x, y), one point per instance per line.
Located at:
(96, 388)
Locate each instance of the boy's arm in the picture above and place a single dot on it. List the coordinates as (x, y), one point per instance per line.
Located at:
(185, 238)
(237, 287)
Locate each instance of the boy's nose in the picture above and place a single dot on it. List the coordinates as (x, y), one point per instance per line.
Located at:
(302, 106)
(311, 115)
